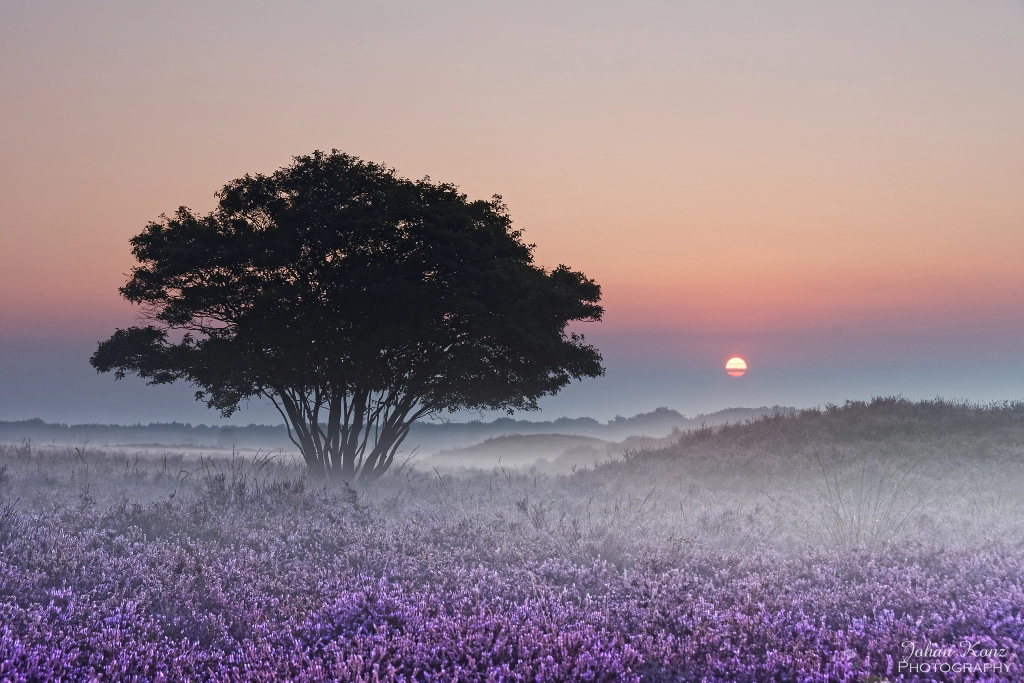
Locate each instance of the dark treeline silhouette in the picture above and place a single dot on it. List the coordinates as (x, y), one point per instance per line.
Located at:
(426, 436)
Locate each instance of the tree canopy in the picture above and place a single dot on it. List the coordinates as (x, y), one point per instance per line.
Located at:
(356, 301)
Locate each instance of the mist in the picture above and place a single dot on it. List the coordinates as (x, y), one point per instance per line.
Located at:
(878, 539)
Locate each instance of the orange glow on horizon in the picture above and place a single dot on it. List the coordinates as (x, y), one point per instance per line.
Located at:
(733, 181)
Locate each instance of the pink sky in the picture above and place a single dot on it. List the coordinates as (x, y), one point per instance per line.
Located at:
(748, 173)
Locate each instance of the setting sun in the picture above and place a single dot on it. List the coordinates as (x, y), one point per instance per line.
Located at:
(736, 367)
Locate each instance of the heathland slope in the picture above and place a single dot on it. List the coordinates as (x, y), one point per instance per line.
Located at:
(809, 546)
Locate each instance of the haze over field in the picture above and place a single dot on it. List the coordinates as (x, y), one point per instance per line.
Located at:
(505, 441)
(808, 547)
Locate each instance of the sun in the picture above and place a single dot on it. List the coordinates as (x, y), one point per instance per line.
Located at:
(736, 367)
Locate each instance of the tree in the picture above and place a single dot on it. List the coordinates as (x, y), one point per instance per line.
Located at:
(356, 301)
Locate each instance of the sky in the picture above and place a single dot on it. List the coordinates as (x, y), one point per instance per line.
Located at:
(830, 190)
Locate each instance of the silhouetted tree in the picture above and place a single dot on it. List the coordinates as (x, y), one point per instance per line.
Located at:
(356, 301)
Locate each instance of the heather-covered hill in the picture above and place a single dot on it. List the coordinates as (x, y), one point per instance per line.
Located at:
(810, 546)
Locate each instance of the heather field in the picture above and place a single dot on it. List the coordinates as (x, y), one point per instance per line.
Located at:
(878, 541)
